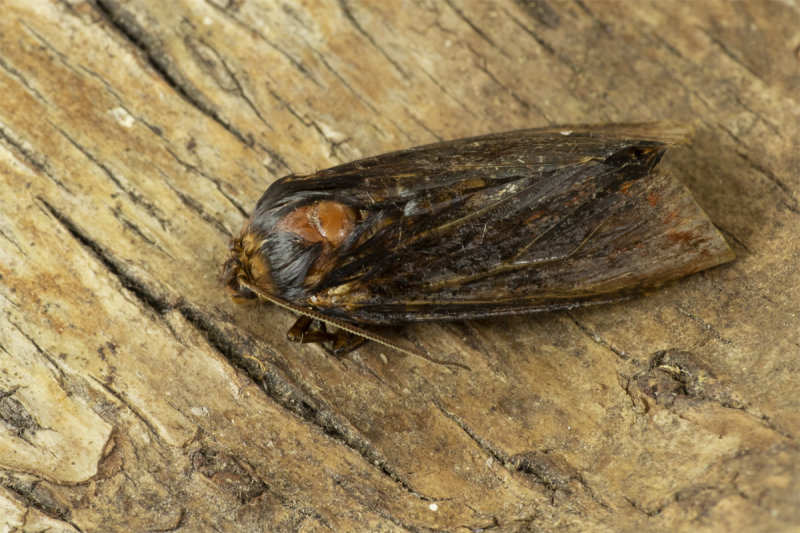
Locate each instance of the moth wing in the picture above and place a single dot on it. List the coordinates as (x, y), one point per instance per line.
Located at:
(416, 173)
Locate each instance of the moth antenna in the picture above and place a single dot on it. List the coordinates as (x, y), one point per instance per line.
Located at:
(355, 330)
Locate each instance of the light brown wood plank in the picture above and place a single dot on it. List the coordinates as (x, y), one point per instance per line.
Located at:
(136, 136)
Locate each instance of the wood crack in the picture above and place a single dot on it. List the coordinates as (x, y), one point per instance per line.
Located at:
(134, 196)
(547, 47)
(493, 451)
(601, 341)
(31, 496)
(58, 372)
(638, 507)
(422, 125)
(254, 31)
(151, 297)
(127, 26)
(136, 413)
(349, 16)
(728, 52)
(480, 65)
(734, 92)
(134, 228)
(216, 181)
(339, 77)
(600, 23)
(460, 14)
(286, 393)
(17, 75)
(444, 90)
(540, 11)
(13, 241)
(307, 122)
(197, 208)
(238, 477)
(34, 159)
(550, 470)
(225, 80)
(15, 416)
(705, 326)
(789, 201)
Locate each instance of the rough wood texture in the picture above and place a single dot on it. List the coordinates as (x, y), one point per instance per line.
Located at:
(135, 136)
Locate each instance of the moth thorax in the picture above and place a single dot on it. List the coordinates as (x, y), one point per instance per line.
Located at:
(326, 222)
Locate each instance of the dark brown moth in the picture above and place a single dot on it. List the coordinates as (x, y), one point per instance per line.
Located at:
(508, 223)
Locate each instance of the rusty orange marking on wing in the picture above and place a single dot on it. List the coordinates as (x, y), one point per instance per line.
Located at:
(625, 187)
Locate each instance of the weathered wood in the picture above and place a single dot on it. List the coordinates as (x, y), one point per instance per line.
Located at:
(136, 136)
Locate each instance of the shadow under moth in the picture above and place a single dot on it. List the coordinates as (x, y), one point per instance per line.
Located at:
(501, 224)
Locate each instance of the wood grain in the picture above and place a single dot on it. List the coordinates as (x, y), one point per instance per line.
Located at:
(136, 136)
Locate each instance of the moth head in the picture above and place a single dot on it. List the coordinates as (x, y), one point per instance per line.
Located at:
(246, 267)
(283, 253)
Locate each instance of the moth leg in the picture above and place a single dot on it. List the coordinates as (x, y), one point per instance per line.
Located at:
(346, 342)
(342, 341)
(301, 332)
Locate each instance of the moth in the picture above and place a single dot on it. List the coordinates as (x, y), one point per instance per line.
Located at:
(502, 224)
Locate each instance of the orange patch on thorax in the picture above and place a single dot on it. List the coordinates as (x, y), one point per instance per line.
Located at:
(326, 222)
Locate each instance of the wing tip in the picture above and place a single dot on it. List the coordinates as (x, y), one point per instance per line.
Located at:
(669, 132)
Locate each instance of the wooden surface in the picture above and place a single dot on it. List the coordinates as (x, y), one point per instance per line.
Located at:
(135, 136)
